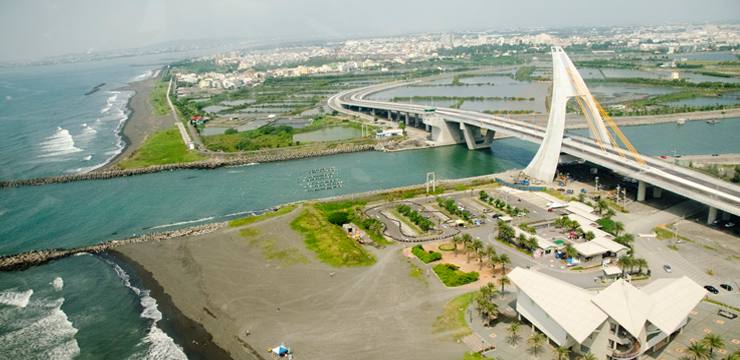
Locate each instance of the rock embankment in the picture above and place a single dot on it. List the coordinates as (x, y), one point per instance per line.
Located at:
(26, 260)
(196, 165)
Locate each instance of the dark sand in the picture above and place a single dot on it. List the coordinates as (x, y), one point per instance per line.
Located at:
(227, 283)
(141, 122)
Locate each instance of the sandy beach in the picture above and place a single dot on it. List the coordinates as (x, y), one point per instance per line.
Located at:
(267, 282)
(141, 122)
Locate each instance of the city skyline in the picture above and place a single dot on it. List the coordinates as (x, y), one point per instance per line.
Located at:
(33, 30)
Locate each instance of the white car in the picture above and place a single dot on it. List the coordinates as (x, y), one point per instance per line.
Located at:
(729, 225)
(667, 268)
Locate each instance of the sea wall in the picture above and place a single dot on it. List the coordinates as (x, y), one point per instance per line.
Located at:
(196, 165)
(26, 260)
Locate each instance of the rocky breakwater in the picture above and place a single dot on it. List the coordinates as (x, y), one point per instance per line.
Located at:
(212, 163)
(26, 260)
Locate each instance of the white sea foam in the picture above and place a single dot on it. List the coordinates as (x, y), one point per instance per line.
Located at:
(87, 158)
(143, 76)
(57, 283)
(60, 143)
(43, 332)
(161, 346)
(15, 298)
(182, 223)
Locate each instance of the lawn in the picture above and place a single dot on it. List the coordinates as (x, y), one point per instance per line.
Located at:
(265, 137)
(451, 276)
(162, 147)
(158, 98)
(329, 241)
(453, 317)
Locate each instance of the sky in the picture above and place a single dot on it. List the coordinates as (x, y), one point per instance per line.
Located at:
(32, 29)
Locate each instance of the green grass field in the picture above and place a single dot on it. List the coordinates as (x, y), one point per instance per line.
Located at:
(257, 218)
(158, 98)
(453, 317)
(162, 147)
(329, 241)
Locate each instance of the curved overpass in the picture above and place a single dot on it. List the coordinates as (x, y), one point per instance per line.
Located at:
(716, 193)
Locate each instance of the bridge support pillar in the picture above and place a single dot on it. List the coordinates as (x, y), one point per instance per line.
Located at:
(373, 112)
(726, 215)
(712, 215)
(641, 190)
(657, 192)
(472, 135)
(407, 119)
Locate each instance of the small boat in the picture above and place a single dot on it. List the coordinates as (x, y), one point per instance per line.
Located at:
(713, 121)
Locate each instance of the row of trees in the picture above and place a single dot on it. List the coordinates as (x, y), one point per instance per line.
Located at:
(566, 223)
(475, 247)
(630, 262)
(703, 349)
(424, 223)
(537, 341)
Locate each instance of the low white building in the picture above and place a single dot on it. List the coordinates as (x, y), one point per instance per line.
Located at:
(621, 322)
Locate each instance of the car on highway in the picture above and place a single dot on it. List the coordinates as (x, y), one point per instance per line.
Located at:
(711, 289)
(667, 268)
(726, 287)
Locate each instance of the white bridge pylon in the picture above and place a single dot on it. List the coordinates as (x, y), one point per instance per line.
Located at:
(566, 83)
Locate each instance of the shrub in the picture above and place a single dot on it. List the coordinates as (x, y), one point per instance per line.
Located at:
(338, 218)
(230, 131)
(451, 276)
(424, 256)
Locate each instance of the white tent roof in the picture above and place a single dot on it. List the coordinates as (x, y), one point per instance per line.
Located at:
(664, 302)
(626, 305)
(611, 270)
(674, 299)
(569, 305)
(575, 207)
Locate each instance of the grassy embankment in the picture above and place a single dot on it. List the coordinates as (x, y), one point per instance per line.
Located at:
(269, 137)
(272, 250)
(329, 241)
(162, 147)
(257, 218)
(453, 317)
(158, 98)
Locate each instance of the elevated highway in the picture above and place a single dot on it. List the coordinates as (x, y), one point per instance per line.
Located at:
(715, 193)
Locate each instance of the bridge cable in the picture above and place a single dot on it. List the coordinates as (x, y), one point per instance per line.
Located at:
(536, 91)
(539, 93)
(547, 111)
(619, 133)
(520, 96)
(585, 113)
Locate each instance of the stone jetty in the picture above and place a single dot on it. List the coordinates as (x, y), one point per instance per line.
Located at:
(26, 260)
(212, 163)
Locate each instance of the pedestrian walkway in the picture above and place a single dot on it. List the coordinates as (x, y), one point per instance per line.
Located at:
(477, 344)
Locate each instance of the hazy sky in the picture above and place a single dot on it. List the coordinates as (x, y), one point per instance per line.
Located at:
(31, 29)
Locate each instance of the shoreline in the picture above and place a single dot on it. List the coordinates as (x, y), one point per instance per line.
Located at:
(140, 123)
(184, 331)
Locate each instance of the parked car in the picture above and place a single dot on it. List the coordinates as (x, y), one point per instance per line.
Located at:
(561, 189)
(667, 268)
(663, 157)
(711, 289)
(561, 183)
(726, 287)
(569, 191)
(729, 225)
(584, 191)
(486, 211)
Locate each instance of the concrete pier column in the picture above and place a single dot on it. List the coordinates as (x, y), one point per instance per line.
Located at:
(657, 192)
(726, 215)
(407, 119)
(373, 111)
(641, 189)
(712, 215)
(390, 115)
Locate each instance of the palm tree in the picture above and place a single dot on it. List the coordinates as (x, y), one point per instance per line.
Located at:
(486, 291)
(736, 354)
(713, 341)
(503, 280)
(513, 330)
(589, 356)
(641, 264)
(610, 213)
(521, 240)
(467, 239)
(468, 249)
(494, 260)
(457, 240)
(477, 244)
(503, 260)
(535, 343)
(482, 253)
(492, 311)
(570, 251)
(618, 228)
(589, 236)
(506, 232)
(624, 262)
(601, 206)
(560, 352)
(532, 243)
(698, 351)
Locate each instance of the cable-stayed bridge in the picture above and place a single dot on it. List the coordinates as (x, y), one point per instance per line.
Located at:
(601, 146)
